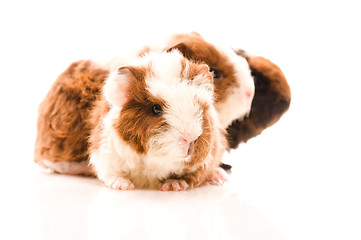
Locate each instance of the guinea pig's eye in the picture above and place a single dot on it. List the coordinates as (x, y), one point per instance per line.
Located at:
(157, 109)
(215, 73)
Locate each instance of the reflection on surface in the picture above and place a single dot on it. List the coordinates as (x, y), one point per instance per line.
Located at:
(78, 208)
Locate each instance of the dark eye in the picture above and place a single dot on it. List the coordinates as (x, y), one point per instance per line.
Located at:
(215, 73)
(157, 109)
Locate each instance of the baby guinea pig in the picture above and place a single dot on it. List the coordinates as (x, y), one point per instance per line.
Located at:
(154, 125)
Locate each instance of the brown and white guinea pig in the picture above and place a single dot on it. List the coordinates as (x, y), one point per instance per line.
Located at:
(251, 92)
(152, 125)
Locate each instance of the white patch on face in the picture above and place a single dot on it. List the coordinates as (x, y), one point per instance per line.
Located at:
(183, 113)
(239, 98)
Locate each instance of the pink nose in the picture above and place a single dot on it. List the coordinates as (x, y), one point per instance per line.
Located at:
(249, 93)
(186, 142)
(188, 138)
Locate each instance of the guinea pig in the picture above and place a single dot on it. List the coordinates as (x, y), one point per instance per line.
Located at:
(156, 126)
(150, 124)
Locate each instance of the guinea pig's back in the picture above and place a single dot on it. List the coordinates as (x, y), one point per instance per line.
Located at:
(62, 127)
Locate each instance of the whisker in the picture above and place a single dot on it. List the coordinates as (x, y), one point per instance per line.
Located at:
(204, 140)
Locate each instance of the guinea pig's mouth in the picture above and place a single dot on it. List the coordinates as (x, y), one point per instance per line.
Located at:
(191, 147)
(188, 149)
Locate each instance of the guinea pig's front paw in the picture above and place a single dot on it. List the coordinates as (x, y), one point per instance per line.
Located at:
(174, 185)
(217, 177)
(119, 183)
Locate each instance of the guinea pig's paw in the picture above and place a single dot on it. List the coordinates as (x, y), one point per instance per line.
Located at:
(174, 185)
(217, 177)
(119, 183)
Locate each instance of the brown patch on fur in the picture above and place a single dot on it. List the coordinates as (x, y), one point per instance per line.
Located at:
(137, 123)
(62, 127)
(272, 99)
(195, 48)
(135, 73)
(277, 80)
(186, 51)
(203, 145)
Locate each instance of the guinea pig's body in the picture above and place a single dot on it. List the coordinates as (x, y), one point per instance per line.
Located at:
(152, 124)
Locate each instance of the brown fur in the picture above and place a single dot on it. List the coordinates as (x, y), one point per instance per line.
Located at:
(195, 48)
(136, 122)
(62, 127)
(272, 99)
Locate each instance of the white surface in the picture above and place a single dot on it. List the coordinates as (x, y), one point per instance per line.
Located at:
(299, 180)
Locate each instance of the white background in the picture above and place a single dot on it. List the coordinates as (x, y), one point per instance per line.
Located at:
(300, 179)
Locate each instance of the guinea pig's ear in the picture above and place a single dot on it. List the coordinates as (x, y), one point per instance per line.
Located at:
(183, 49)
(242, 53)
(116, 87)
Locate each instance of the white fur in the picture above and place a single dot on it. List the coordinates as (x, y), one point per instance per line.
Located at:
(115, 160)
(237, 104)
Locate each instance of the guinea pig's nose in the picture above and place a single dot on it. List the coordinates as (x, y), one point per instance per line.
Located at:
(188, 138)
(249, 93)
(187, 142)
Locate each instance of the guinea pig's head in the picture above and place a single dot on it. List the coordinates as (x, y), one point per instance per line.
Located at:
(234, 85)
(164, 103)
